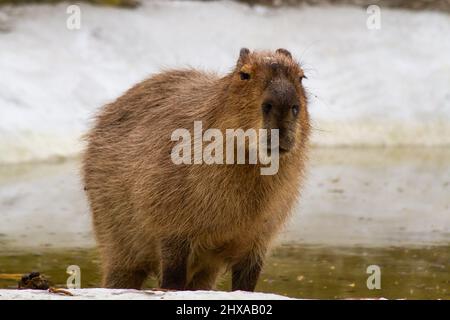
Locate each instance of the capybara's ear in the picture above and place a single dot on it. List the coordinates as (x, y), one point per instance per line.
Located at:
(284, 52)
(243, 56)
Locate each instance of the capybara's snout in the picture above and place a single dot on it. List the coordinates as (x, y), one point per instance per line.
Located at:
(280, 109)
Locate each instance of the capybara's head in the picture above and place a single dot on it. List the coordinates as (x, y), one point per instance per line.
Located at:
(267, 88)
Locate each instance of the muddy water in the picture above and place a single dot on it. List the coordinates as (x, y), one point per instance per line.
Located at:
(297, 271)
(359, 207)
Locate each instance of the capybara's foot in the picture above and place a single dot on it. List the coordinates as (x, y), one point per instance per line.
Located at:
(124, 279)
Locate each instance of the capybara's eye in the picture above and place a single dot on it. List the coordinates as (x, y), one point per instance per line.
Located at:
(244, 75)
(295, 110)
(266, 107)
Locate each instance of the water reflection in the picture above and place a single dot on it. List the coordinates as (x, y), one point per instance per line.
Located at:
(294, 270)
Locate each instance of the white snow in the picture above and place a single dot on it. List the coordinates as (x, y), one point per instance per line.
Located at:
(122, 294)
(368, 87)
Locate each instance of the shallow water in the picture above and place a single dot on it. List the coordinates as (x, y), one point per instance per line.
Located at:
(293, 270)
(367, 196)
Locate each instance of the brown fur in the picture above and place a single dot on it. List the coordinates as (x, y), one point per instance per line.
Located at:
(189, 223)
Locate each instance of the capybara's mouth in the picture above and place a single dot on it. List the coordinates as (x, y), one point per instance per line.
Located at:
(281, 150)
(284, 150)
(286, 146)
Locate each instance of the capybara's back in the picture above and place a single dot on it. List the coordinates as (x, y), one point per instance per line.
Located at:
(188, 222)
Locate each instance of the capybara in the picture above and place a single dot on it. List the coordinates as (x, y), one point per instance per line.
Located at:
(188, 224)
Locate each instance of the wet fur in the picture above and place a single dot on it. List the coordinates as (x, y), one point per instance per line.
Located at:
(187, 223)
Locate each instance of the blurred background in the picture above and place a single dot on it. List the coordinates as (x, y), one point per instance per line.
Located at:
(378, 187)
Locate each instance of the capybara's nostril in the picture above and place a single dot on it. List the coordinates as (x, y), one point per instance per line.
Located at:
(295, 110)
(266, 107)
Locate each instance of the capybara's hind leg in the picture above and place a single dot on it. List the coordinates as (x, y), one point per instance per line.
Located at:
(124, 278)
(174, 258)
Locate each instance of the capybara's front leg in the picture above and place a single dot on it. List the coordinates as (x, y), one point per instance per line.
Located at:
(174, 256)
(246, 273)
(205, 279)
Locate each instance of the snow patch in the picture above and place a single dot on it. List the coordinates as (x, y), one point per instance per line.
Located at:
(367, 87)
(122, 294)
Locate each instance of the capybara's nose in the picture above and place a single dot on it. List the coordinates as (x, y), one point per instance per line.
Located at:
(280, 110)
(267, 107)
(281, 101)
(281, 113)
